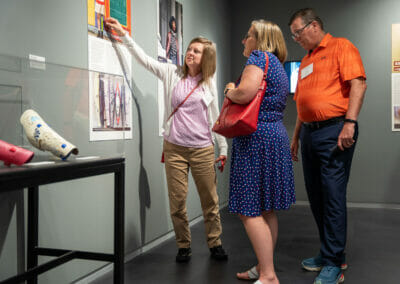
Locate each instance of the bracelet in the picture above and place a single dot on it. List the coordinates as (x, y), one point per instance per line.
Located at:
(227, 90)
(350, 120)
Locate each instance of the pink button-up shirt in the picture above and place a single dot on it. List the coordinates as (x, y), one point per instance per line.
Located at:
(189, 126)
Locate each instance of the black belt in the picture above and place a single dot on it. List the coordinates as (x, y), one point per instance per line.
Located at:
(319, 124)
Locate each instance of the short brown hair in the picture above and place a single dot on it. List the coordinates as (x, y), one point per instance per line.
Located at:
(307, 15)
(269, 38)
(208, 59)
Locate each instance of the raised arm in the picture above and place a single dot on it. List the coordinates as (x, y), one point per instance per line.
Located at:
(157, 68)
(168, 44)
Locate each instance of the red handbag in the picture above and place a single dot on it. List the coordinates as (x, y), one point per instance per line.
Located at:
(237, 119)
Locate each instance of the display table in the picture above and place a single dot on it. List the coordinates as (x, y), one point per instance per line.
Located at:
(17, 178)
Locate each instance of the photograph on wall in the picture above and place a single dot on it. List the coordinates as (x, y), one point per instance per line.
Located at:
(108, 102)
(395, 77)
(110, 89)
(170, 43)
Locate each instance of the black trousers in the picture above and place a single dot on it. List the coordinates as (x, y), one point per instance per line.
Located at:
(326, 173)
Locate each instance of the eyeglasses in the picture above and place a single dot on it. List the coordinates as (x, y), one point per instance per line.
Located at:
(299, 31)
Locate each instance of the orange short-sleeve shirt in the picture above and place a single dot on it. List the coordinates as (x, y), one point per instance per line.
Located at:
(323, 89)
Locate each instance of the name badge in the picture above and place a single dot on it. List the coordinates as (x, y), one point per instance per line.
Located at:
(306, 71)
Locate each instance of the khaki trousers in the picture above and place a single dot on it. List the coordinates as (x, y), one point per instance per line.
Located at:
(178, 160)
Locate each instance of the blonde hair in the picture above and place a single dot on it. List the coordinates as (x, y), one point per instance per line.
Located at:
(269, 38)
(208, 59)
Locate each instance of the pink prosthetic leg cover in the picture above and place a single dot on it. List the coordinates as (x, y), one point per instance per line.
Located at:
(11, 154)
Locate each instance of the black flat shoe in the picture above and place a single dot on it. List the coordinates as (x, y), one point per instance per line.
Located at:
(183, 255)
(218, 253)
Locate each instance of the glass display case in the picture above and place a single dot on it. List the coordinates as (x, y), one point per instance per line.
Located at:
(74, 102)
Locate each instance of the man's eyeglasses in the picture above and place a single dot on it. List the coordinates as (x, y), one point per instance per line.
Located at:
(299, 31)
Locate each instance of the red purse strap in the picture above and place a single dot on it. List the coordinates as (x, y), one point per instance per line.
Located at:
(263, 85)
(176, 109)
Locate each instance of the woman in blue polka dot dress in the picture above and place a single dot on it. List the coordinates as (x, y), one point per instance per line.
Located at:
(261, 178)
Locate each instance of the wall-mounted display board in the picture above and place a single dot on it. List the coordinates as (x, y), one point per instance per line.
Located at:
(396, 77)
(110, 102)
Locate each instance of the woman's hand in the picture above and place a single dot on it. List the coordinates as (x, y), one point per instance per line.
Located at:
(112, 25)
(222, 161)
(229, 86)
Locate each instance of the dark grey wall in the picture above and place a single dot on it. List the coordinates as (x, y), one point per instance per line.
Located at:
(374, 177)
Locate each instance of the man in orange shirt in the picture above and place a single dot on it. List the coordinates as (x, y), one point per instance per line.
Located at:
(329, 95)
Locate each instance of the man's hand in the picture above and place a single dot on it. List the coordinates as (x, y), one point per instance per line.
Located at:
(294, 149)
(345, 139)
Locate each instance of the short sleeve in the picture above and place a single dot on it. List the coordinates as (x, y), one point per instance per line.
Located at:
(350, 62)
(257, 57)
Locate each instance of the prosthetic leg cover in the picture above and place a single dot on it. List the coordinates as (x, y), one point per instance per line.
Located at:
(43, 137)
(11, 154)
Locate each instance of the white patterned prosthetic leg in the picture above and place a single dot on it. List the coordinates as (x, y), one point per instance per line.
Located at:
(43, 137)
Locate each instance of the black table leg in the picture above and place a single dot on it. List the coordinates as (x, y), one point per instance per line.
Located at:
(119, 224)
(33, 229)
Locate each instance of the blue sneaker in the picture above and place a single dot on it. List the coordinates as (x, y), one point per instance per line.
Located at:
(316, 264)
(330, 275)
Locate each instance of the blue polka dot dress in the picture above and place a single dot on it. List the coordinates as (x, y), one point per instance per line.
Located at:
(261, 176)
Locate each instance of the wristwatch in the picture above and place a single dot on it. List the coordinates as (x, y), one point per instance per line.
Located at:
(350, 120)
(227, 90)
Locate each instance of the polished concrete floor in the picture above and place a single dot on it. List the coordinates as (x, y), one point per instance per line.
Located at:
(373, 251)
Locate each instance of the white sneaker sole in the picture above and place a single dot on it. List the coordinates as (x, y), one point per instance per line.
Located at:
(317, 269)
(340, 280)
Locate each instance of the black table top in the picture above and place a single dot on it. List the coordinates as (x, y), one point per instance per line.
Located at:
(16, 177)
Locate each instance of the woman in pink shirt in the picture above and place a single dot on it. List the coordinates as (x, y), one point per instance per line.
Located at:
(191, 109)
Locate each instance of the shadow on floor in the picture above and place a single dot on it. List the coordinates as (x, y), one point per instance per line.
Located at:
(373, 251)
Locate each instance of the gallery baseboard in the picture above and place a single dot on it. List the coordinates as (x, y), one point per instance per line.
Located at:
(109, 267)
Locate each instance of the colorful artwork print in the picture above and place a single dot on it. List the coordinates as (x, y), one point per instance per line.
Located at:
(110, 103)
(98, 10)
